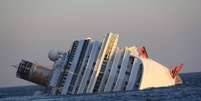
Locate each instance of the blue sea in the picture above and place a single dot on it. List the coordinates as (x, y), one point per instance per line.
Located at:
(189, 91)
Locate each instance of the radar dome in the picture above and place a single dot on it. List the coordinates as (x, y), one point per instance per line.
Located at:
(54, 54)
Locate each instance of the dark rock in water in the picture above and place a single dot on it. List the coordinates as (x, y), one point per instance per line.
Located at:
(189, 91)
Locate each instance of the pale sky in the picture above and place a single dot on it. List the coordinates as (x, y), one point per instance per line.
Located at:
(170, 29)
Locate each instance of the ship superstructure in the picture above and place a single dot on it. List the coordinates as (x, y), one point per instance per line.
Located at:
(91, 66)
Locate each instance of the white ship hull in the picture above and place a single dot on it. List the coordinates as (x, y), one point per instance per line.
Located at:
(94, 67)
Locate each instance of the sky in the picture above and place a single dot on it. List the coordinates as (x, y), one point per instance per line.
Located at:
(169, 29)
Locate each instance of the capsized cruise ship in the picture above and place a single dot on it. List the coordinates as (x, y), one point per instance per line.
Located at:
(91, 66)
